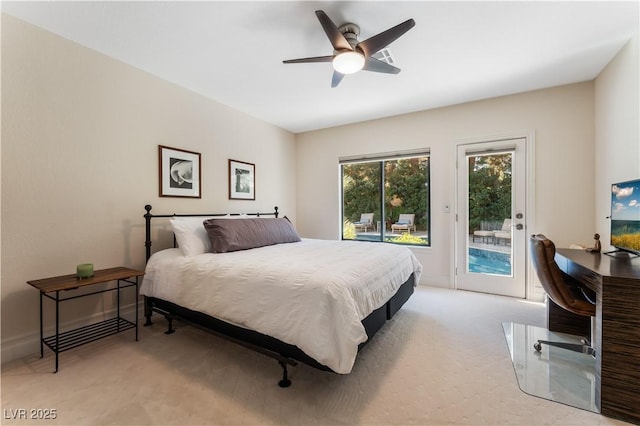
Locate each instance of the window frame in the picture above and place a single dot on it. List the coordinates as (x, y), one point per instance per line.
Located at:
(382, 159)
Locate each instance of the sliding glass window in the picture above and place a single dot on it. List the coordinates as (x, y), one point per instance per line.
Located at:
(386, 198)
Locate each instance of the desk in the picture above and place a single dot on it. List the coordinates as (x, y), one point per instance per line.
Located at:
(616, 281)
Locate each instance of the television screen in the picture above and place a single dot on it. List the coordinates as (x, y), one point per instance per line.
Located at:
(625, 216)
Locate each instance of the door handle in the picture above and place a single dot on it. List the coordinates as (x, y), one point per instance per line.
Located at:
(519, 226)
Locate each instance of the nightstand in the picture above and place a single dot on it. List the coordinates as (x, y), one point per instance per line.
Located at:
(51, 289)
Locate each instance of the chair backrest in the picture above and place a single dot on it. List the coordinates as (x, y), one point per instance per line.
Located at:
(366, 218)
(506, 225)
(543, 253)
(406, 218)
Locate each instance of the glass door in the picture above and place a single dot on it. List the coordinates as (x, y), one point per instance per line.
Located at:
(490, 227)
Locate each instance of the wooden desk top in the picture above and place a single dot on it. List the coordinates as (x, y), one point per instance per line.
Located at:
(71, 281)
(602, 264)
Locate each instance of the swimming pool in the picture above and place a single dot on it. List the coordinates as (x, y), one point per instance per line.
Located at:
(489, 262)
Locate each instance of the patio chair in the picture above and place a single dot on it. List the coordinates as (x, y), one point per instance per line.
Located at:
(484, 235)
(405, 223)
(504, 233)
(365, 222)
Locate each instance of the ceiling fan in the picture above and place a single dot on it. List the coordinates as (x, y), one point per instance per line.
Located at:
(350, 55)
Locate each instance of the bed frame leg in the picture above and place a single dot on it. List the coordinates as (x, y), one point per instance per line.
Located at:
(147, 312)
(170, 329)
(285, 382)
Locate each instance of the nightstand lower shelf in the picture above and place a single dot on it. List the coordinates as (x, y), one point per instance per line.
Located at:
(89, 333)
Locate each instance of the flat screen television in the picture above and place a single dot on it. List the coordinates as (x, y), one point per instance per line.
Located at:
(625, 216)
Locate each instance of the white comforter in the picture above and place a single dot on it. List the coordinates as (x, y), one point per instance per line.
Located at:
(312, 294)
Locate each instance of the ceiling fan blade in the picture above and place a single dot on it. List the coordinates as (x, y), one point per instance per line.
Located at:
(375, 65)
(383, 39)
(336, 79)
(337, 39)
(306, 60)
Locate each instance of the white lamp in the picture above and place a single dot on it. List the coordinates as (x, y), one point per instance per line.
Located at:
(348, 62)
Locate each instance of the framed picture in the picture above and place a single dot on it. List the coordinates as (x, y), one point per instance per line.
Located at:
(179, 173)
(242, 180)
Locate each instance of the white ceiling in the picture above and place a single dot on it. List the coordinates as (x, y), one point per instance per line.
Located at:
(457, 52)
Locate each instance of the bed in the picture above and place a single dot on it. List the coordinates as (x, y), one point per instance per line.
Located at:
(253, 280)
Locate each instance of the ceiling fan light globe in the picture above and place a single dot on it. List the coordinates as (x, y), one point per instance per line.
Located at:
(348, 62)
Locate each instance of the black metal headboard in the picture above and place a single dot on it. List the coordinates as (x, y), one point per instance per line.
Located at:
(148, 216)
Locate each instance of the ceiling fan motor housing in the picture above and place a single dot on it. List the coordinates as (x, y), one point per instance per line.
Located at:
(351, 32)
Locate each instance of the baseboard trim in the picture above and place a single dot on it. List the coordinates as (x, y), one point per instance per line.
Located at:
(440, 282)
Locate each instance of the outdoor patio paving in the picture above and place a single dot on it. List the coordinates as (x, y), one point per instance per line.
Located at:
(482, 245)
(502, 248)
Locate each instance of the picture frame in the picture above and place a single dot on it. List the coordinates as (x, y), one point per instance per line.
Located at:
(180, 172)
(242, 180)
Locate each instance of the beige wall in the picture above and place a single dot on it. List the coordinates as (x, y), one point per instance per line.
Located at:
(561, 119)
(80, 135)
(617, 150)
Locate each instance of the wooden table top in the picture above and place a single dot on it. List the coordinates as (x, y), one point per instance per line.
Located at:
(71, 281)
(621, 266)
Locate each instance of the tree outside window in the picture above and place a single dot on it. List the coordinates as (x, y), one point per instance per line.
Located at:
(489, 191)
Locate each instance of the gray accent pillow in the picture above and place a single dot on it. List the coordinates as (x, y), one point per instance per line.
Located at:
(234, 235)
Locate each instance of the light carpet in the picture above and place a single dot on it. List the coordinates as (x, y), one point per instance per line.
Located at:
(443, 359)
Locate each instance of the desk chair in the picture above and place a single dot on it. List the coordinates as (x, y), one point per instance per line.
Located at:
(562, 289)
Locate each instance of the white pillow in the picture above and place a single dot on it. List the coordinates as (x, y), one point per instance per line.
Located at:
(190, 234)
